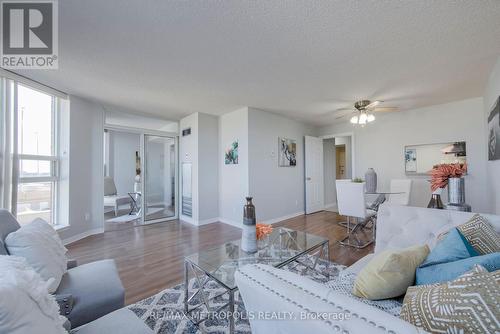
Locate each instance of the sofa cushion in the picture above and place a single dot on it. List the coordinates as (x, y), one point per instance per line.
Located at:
(444, 272)
(268, 290)
(468, 304)
(402, 226)
(96, 289)
(25, 304)
(8, 224)
(481, 235)
(389, 273)
(41, 246)
(122, 321)
(452, 248)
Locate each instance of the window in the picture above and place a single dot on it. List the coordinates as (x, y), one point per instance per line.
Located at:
(34, 196)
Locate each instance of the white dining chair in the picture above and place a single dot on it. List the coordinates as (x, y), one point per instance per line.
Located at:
(351, 204)
(403, 189)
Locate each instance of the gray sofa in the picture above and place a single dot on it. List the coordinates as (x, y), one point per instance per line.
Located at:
(94, 288)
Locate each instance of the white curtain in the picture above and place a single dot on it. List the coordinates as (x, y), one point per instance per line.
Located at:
(8, 178)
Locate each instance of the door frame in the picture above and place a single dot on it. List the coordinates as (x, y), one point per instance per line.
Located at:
(322, 175)
(353, 147)
(142, 133)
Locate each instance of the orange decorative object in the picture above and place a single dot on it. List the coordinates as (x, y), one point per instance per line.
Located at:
(441, 173)
(263, 230)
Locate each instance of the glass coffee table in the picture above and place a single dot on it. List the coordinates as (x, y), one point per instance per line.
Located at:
(282, 247)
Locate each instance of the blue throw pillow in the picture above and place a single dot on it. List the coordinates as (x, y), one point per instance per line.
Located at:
(444, 272)
(452, 248)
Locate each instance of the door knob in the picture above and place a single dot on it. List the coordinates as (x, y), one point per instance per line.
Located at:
(308, 178)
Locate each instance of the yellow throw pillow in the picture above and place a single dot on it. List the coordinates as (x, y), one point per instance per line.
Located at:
(389, 273)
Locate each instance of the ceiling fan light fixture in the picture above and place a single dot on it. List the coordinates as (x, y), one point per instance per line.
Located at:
(354, 119)
(363, 117)
(370, 118)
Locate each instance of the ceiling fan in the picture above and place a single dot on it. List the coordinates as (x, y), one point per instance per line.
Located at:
(363, 111)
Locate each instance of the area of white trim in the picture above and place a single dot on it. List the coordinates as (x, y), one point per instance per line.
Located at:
(208, 221)
(279, 219)
(83, 235)
(187, 219)
(32, 83)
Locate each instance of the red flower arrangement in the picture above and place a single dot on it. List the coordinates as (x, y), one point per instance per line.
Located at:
(441, 173)
(263, 230)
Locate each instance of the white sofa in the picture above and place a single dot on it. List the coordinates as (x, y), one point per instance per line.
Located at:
(267, 289)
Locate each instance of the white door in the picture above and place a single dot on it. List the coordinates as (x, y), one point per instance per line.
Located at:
(314, 174)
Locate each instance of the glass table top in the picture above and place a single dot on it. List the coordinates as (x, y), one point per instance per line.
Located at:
(279, 248)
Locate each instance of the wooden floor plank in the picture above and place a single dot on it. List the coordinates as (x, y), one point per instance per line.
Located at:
(150, 258)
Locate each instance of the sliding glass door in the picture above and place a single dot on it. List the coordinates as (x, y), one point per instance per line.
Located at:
(159, 178)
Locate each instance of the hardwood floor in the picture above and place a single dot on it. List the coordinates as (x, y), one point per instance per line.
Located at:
(150, 258)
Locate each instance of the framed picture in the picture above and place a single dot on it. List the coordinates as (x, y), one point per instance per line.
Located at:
(494, 132)
(410, 160)
(231, 154)
(287, 152)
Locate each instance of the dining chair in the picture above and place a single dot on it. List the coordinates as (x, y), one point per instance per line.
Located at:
(351, 204)
(401, 189)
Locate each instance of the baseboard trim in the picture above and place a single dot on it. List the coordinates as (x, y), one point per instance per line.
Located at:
(187, 219)
(83, 235)
(194, 222)
(279, 219)
(208, 221)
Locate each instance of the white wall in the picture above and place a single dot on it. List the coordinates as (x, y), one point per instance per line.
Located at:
(233, 179)
(278, 191)
(347, 142)
(380, 145)
(208, 172)
(188, 153)
(493, 167)
(121, 164)
(330, 172)
(85, 169)
(201, 148)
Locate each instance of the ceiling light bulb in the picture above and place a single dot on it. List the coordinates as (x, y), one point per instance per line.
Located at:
(362, 118)
(370, 118)
(354, 119)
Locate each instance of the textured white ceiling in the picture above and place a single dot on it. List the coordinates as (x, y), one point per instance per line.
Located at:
(300, 58)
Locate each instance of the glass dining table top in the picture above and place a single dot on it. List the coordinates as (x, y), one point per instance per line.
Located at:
(279, 248)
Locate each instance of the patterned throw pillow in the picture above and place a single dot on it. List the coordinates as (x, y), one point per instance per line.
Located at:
(481, 235)
(468, 304)
(478, 232)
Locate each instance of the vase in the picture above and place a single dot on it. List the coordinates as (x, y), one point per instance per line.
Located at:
(456, 195)
(249, 233)
(435, 202)
(371, 181)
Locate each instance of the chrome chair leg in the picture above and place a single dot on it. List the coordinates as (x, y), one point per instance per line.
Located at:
(354, 233)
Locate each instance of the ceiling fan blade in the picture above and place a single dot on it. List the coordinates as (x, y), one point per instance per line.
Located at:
(385, 109)
(339, 113)
(373, 104)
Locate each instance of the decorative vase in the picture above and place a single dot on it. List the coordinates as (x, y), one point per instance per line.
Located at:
(249, 233)
(371, 180)
(456, 195)
(435, 202)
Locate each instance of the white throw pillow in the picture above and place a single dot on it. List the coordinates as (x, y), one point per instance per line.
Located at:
(41, 246)
(25, 304)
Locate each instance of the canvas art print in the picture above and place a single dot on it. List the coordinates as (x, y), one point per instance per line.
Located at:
(287, 152)
(494, 132)
(231, 154)
(411, 160)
